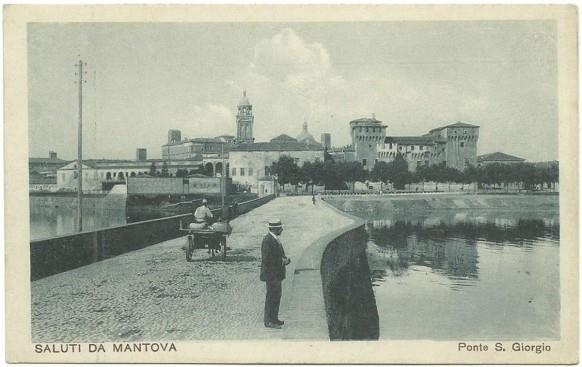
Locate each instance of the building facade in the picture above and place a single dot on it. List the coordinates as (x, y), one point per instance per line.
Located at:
(244, 121)
(195, 149)
(251, 162)
(196, 184)
(326, 140)
(455, 145)
(97, 172)
(461, 146)
(343, 154)
(366, 134)
(141, 154)
(416, 150)
(45, 166)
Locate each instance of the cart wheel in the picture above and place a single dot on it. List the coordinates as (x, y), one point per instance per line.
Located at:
(190, 248)
(223, 248)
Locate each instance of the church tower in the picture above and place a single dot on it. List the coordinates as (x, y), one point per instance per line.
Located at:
(244, 121)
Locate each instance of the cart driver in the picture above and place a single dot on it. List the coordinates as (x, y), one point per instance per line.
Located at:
(203, 214)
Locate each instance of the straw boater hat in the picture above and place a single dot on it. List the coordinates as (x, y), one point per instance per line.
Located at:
(275, 223)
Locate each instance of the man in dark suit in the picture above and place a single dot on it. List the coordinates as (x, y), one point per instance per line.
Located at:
(273, 262)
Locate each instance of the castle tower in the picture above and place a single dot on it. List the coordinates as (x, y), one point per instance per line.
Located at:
(366, 134)
(244, 120)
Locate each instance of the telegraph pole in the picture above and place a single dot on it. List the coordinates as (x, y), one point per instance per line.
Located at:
(80, 81)
(222, 181)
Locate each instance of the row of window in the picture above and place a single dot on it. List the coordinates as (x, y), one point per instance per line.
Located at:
(370, 138)
(461, 137)
(369, 129)
(242, 172)
(400, 147)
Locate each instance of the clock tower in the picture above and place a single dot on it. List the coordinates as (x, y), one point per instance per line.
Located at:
(244, 121)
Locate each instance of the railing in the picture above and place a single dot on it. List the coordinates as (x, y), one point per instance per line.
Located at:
(59, 254)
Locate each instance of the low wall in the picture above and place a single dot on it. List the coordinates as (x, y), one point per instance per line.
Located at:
(59, 254)
(350, 305)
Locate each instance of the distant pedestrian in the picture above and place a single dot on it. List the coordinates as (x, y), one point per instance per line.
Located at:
(273, 262)
(313, 199)
(235, 208)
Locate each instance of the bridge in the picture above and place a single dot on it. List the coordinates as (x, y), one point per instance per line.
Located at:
(152, 293)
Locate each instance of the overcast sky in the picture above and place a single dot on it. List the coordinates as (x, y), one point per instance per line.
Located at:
(144, 79)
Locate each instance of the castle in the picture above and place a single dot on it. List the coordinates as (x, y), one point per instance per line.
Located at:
(454, 144)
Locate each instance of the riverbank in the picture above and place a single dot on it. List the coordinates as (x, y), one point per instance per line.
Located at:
(154, 294)
(437, 201)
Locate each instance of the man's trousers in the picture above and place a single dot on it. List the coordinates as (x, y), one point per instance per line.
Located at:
(272, 301)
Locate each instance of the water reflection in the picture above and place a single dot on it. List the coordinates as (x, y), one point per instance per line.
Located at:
(55, 216)
(50, 221)
(448, 244)
(486, 275)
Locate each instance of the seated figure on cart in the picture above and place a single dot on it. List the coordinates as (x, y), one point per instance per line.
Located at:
(202, 216)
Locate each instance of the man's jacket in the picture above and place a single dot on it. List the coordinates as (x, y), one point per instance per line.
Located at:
(272, 254)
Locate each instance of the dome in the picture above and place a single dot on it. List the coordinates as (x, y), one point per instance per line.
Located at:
(305, 136)
(244, 101)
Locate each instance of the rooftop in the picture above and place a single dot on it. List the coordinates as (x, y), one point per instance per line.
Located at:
(413, 140)
(499, 156)
(283, 138)
(99, 163)
(366, 121)
(276, 146)
(200, 140)
(456, 124)
(244, 101)
(46, 160)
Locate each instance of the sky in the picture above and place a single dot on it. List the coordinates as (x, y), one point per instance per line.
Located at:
(144, 79)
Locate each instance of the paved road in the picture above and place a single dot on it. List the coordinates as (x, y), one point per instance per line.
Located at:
(154, 294)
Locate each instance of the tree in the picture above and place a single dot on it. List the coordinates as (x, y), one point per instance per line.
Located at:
(165, 172)
(381, 172)
(471, 174)
(398, 172)
(287, 171)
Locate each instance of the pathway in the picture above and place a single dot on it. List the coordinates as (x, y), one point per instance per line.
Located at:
(154, 294)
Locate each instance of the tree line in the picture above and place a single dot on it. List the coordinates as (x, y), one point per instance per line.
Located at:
(343, 175)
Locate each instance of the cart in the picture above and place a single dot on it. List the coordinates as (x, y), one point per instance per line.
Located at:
(205, 238)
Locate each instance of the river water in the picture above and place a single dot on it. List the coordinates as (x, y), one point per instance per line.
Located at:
(465, 275)
(56, 216)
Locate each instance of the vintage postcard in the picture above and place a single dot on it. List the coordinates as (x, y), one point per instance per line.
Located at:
(291, 184)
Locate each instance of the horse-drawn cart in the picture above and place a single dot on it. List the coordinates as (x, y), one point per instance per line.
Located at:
(212, 238)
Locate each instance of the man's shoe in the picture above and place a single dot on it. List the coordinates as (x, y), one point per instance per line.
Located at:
(272, 325)
(279, 322)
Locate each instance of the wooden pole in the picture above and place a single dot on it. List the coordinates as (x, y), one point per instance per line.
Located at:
(222, 182)
(80, 151)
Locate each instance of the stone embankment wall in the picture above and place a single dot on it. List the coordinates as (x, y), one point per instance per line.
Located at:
(59, 254)
(347, 288)
(423, 202)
